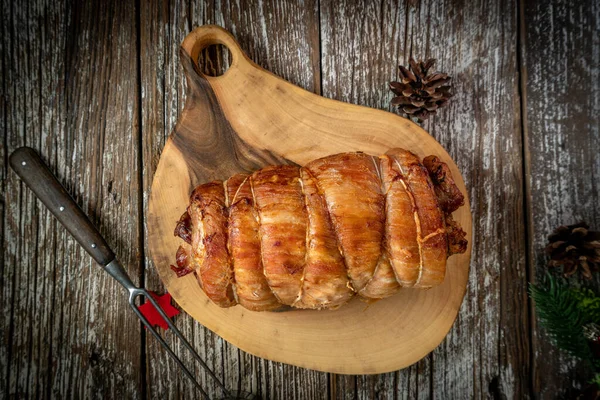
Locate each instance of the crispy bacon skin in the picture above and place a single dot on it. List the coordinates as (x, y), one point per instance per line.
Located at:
(350, 185)
(401, 228)
(183, 229)
(183, 261)
(431, 233)
(325, 283)
(251, 286)
(450, 199)
(383, 283)
(448, 194)
(457, 242)
(313, 237)
(282, 229)
(210, 258)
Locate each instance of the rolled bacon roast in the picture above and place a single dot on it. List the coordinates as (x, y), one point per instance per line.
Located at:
(315, 236)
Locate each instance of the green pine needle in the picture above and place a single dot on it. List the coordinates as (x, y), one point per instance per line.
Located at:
(588, 303)
(558, 311)
(596, 379)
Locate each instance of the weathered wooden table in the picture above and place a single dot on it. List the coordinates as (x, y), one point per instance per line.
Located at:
(97, 87)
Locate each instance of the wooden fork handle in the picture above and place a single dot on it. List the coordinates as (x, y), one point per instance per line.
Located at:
(33, 171)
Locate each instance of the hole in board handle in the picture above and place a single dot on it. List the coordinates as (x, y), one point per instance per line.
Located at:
(214, 59)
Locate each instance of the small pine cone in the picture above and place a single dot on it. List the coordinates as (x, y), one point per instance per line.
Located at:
(574, 247)
(420, 93)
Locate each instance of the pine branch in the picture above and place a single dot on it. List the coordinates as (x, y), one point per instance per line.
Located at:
(559, 314)
(588, 303)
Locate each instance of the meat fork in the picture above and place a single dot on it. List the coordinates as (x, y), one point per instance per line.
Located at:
(32, 170)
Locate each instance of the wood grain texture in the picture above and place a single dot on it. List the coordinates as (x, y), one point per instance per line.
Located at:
(64, 338)
(474, 43)
(561, 54)
(482, 129)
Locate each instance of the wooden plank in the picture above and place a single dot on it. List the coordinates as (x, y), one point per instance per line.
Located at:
(494, 321)
(6, 254)
(481, 129)
(71, 94)
(362, 45)
(282, 37)
(23, 279)
(561, 55)
(362, 42)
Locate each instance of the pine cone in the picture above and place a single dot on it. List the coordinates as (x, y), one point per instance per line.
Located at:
(420, 93)
(575, 247)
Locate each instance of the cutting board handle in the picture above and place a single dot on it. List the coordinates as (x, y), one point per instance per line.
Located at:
(207, 35)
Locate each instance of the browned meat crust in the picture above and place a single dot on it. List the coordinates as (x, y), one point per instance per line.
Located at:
(448, 194)
(401, 228)
(352, 191)
(431, 233)
(457, 242)
(450, 199)
(313, 237)
(210, 259)
(183, 229)
(282, 229)
(252, 288)
(325, 282)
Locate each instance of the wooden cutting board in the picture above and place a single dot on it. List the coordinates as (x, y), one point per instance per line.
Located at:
(248, 118)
